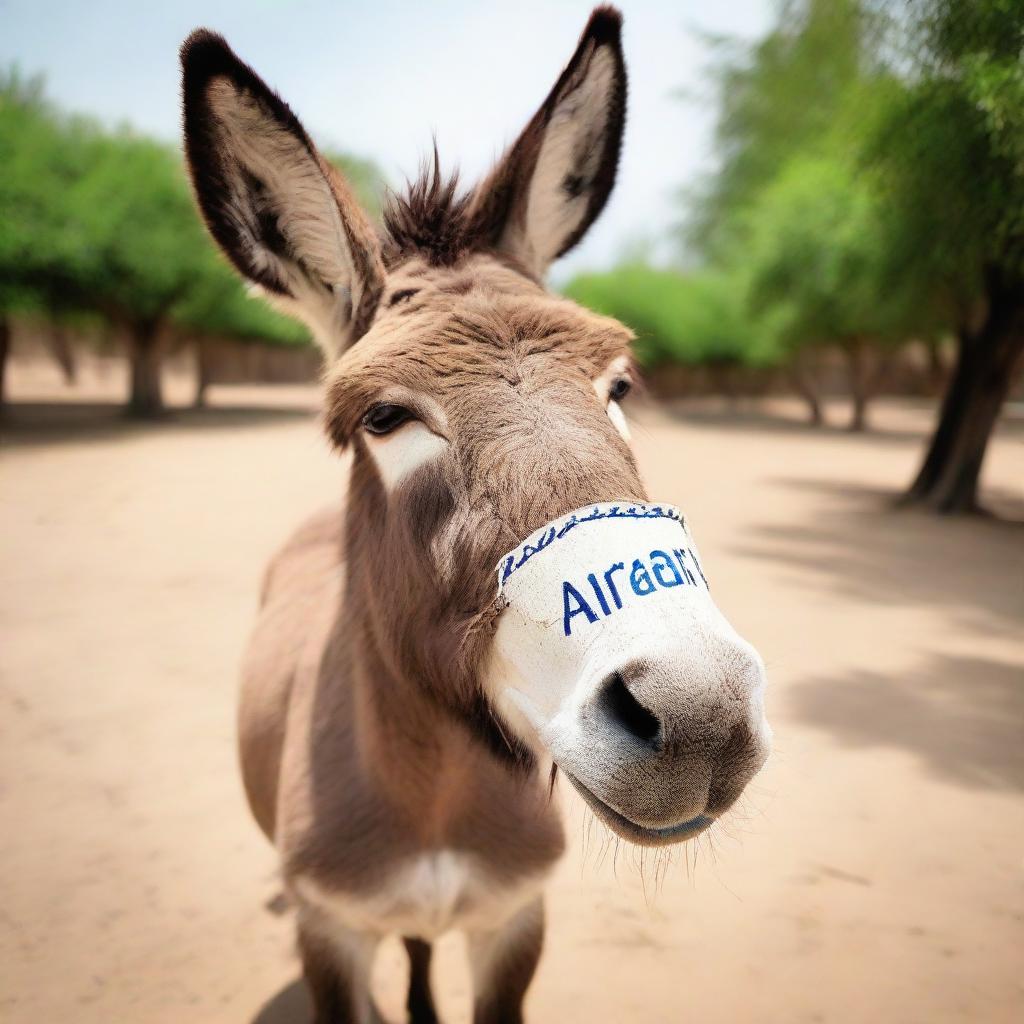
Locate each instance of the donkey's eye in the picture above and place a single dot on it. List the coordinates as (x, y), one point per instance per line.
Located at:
(619, 389)
(382, 419)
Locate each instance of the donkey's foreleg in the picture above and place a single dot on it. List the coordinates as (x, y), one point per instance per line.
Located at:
(337, 970)
(420, 1002)
(503, 963)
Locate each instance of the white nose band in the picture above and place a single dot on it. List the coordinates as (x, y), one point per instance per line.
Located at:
(604, 556)
(588, 594)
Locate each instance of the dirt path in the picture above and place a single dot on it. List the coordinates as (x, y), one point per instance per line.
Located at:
(874, 873)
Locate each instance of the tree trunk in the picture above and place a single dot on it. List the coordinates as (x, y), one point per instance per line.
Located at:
(803, 381)
(857, 373)
(203, 375)
(60, 347)
(948, 479)
(936, 367)
(722, 381)
(146, 398)
(5, 345)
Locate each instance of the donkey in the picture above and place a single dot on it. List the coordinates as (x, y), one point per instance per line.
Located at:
(402, 713)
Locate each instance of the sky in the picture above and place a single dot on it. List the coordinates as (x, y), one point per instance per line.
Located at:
(381, 79)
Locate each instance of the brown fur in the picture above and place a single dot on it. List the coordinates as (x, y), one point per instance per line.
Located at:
(366, 737)
(429, 220)
(512, 370)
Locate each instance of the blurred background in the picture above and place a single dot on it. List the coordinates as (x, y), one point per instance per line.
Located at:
(817, 235)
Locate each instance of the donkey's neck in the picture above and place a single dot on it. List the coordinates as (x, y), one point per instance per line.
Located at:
(413, 754)
(416, 754)
(446, 788)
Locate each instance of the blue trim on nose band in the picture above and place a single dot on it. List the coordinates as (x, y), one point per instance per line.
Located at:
(548, 535)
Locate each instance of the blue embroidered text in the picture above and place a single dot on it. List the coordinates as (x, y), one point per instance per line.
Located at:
(603, 594)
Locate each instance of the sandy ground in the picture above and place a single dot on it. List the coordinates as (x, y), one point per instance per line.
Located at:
(874, 872)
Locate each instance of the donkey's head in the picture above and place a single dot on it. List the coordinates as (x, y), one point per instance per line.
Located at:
(483, 415)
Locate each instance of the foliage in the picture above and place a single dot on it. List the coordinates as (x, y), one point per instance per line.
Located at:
(868, 189)
(950, 155)
(103, 222)
(142, 238)
(950, 149)
(217, 304)
(42, 256)
(819, 250)
(690, 319)
(777, 99)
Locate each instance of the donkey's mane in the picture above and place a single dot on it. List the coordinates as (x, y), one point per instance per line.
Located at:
(431, 219)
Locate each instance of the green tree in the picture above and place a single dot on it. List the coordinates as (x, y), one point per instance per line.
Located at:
(41, 253)
(695, 319)
(819, 254)
(776, 99)
(789, 209)
(94, 221)
(146, 250)
(100, 222)
(924, 101)
(951, 156)
(218, 306)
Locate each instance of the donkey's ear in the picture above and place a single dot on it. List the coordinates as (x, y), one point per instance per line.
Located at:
(283, 215)
(554, 181)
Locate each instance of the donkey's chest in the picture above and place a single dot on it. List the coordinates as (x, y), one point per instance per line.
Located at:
(424, 896)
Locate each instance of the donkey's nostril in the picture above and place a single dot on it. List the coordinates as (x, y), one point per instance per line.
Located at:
(627, 711)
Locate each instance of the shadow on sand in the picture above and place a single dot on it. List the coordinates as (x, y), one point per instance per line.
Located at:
(28, 424)
(755, 416)
(289, 1006)
(962, 717)
(863, 547)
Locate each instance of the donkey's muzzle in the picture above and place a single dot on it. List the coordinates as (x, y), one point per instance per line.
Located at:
(663, 742)
(611, 655)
